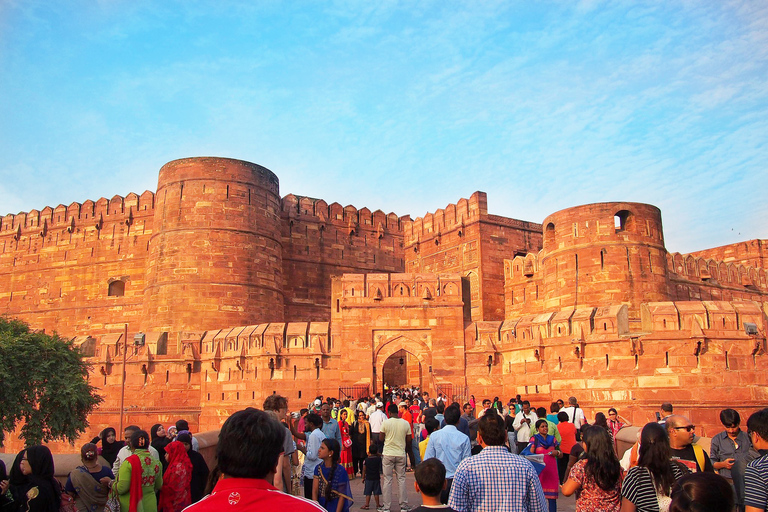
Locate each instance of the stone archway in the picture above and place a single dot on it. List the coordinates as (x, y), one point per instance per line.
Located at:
(402, 369)
(417, 357)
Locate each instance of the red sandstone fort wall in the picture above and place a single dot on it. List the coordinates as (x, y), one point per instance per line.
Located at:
(57, 265)
(697, 278)
(593, 255)
(215, 256)
(463, 238)
(752, 253)
(322, 241)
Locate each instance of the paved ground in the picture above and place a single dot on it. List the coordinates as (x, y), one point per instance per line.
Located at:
(563, 504)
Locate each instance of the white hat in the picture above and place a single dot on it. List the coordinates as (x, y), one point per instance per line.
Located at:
(379, 404)
(317, 402)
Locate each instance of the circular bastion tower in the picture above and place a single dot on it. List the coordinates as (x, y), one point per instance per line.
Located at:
(604, 254)
(215, 257)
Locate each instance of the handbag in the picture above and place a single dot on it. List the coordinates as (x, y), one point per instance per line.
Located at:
(347, 442)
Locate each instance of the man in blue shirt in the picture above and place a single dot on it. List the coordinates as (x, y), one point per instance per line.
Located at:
(449, 446)
(495, 479)
(330, 426)
(314, 436)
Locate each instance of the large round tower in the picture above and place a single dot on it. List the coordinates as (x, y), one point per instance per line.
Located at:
(604, 254)
(215, 257)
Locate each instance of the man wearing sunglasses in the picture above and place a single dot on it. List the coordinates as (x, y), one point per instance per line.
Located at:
(681, 434)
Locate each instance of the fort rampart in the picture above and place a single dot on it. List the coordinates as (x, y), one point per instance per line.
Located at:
(216, 293)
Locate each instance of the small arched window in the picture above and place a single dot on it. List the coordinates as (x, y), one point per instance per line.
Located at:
(549, 235)
(116, 288)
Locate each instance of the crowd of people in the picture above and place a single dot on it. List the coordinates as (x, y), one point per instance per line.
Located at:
(161, 471)
(488, 456)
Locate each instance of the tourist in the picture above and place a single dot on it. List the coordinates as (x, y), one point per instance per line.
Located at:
(756, 474)
(702, 492)
(552, 430)
(554, 408)
(177, 478)
(90, 483)
(430, 483)
(330, 426)
(182, 425)
(449, 446)
(39, 491)
(109, 445)
(615, 424)
(430, 426)
(494, 479)
(396, 436)
(4, 485)
(440, 416)
(575, 415)
(463, 424)
(250, 442)
(140, 477)
(345, 456)
(159, 441)
(542, 443)
(681, 434)
(360, 432)
(649, 484)
(376, 420)
(598, 476)
(730, 448)
(630, 457)
(278, 406)
(372, 476)
(472, 402)
(200, 469)
(331, 487)
(523, 424)
(312, 425)
(567, 432)
(665, 412)
(126, 450)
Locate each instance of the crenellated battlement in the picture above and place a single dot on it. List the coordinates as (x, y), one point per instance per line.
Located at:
(89, 213)
(302, 208)
(453, 216)
(522, 267)
(366, 288)
(714, 272)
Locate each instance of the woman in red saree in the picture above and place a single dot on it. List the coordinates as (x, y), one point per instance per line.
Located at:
(175, 494)
(346, 445)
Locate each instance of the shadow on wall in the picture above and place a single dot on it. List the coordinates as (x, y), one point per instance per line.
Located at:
(64, 463)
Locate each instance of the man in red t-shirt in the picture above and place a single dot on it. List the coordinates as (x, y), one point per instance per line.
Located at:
(250, 443)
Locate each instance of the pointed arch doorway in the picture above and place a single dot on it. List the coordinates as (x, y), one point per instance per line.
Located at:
(402, 369)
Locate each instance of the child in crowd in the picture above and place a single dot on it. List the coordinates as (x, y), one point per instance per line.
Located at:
(372, 477)
(331, 484)
(430, 481)
(430, 425)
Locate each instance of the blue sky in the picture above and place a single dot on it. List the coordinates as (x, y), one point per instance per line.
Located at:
(399, 106)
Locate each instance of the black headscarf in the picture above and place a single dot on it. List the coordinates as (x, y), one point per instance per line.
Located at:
(110, 450)
(159, 443)
(19, 483)
(40, 461)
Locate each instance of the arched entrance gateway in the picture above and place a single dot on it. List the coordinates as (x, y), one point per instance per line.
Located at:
(401, 360)
(402, 369)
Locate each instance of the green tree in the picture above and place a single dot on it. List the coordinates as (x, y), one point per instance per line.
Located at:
(44, 385)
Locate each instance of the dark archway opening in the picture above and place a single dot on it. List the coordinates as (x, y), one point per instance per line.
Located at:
(402, 369)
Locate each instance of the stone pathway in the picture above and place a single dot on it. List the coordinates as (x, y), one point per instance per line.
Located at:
(564, 504)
